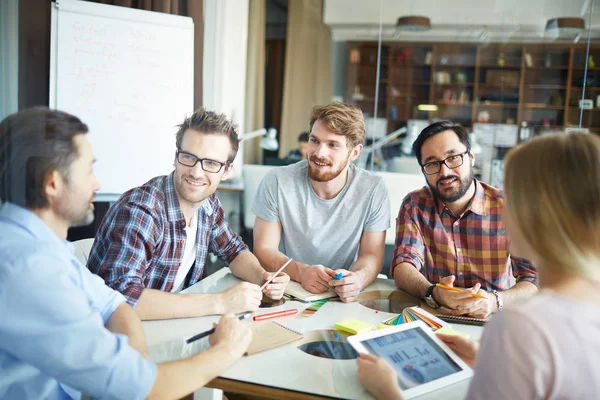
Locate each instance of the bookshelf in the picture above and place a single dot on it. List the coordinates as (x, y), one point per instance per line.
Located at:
(495, 83)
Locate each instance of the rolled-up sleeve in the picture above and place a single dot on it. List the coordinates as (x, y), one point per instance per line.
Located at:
(409, 246)
(523, 270)
(60, 332)
(104, 299)
(225, 243)
(123, 249)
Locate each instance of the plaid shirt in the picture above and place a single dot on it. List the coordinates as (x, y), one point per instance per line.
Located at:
(472, 247)
(141, 239)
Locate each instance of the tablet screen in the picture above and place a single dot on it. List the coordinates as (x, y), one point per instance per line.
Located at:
(416, 358)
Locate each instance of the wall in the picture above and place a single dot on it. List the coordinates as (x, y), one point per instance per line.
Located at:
(339, 69)
(484, 12)
(9, 57)
(224, 80)
(225, 49)
(34, 53)
(276, 20)
(458, 20)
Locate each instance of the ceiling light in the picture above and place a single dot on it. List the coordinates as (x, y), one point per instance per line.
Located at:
(565, 26)
(413, 23)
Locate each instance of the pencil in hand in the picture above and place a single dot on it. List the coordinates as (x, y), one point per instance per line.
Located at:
(275, 274)
(455, 289)
(211, 331)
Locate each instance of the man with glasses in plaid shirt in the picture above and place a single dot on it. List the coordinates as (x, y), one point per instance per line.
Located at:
(451, 232)
(155, 239)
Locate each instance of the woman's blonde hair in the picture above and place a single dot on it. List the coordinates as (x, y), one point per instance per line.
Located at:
(552, 188)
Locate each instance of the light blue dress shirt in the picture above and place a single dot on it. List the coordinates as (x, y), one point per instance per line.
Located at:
(53, 343)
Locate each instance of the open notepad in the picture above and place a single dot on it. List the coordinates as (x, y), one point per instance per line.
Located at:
(445, 315)
(296, 291)
(268, 335)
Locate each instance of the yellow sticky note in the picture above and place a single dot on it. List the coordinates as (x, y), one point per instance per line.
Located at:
(383, 326)
(353, 326)
(449, 331)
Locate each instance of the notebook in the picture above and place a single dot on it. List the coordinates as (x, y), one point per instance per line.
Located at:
(297, 292)
(268, 335)
(444, 314)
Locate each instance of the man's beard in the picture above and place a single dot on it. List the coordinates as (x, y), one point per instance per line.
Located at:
(80, 215)
(324, 176)
(84, 220)
(463, 186)
(72, 209)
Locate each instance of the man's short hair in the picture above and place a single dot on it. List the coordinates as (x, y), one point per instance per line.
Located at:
(342, 119)
(303, 137)
(34, 143)
(436, 128)
(210, 123)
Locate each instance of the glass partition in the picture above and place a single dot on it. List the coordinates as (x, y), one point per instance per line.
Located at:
(506, 76)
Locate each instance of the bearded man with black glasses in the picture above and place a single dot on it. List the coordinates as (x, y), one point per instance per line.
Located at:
(451, 232)
(154, 241)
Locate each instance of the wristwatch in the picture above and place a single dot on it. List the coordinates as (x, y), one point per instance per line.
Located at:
(429, 298)
(499, 300)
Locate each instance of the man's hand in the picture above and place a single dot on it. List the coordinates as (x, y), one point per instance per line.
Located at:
(378, 377)
(231, 332)
(463, 303)
(315, 278)
(275, 289)
(465, 348)
(243, 297)
(349, 287)
(481, 308)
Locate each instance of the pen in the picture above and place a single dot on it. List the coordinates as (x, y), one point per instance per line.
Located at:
(276, 273)
(454, 289)
(275, 314)
(339, 276)
(210, 332)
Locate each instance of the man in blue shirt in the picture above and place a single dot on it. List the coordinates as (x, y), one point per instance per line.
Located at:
(64, 332)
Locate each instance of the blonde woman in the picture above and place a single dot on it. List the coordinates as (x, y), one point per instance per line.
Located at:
(545, 347)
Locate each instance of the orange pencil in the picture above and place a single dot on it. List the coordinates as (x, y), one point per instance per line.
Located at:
(454, 289)
(275, 314)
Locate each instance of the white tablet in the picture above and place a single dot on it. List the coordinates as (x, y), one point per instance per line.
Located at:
(421, 361)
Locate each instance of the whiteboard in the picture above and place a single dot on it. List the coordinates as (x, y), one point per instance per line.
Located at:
(129, 75)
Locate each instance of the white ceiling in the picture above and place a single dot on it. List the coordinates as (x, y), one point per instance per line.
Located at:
(456, 20)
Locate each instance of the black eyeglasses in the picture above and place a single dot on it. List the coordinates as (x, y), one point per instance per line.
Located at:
(190, 160)
(451, 162)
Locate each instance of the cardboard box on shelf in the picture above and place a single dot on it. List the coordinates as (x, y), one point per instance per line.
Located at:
(502, 77)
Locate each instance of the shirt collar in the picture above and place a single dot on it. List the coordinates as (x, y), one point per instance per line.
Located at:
(174, 213)
(32, 223)
(478, 202)
(476, 205)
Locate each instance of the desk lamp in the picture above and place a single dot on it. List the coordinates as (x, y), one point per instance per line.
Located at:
(268, 142)
(361, 161)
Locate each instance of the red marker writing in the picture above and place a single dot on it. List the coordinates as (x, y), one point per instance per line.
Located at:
(275, 314)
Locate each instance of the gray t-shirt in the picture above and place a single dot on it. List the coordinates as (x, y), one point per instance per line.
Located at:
(319, 231)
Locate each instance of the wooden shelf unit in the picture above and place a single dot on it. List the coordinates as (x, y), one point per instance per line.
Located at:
(538, 83)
